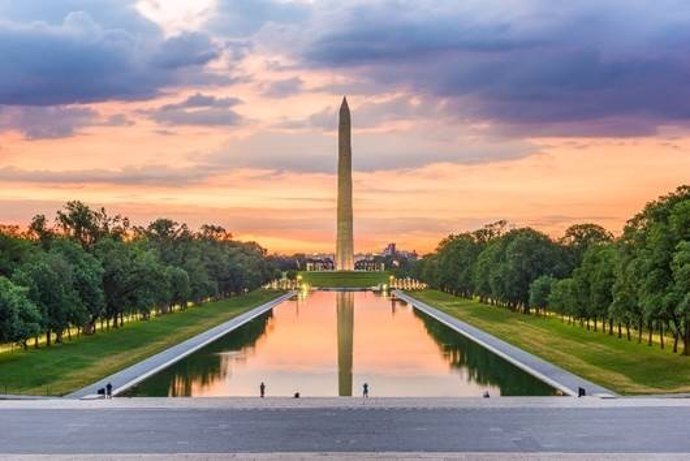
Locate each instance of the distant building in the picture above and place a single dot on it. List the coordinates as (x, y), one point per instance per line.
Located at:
(320, 264)
(390, 250)
(409, 254)
(369, 265)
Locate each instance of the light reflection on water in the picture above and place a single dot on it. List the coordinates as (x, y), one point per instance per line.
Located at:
(330, 343)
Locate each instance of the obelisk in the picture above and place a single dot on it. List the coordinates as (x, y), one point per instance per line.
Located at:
(344, 253)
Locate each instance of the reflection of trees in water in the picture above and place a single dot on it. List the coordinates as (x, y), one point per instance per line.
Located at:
(482, 366)
(208, 365)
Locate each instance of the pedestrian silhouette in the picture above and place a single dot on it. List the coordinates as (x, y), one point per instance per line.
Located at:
(365, 390)
(108, 391)
(262, 389)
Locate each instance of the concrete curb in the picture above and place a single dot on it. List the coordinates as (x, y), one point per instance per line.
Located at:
(344, 403)
(124, 379)
(557, 377)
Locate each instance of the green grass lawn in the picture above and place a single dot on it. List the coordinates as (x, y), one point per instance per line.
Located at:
(343, 279)
(67, 367)
(621, 365)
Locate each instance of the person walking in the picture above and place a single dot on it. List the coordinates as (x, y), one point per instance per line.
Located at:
(262, 389)
(365, 390)
(109, 391)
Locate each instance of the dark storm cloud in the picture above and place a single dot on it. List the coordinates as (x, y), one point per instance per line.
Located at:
(81, 61)
(608, 67)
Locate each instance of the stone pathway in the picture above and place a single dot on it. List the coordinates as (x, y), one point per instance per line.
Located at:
(126, 428)
(359, 456)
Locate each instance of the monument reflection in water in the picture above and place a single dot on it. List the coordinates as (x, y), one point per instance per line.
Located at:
(345, 306)
(330, 344)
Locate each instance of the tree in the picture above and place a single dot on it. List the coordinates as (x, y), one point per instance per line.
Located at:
(578, 238)
(180, 288)
(78, 221)
(487, 260)
(87, 279)
(649, 242)
(539, 292)
(49, 280)
(625, 306)
(457, 255)
(19, 317)
(86, 226)
(40, 231)
(133, 278)
(490, 232)
(562, 297)
(522, 255)
(14, 251)
(594, 279)
(680, 294)
(214, 233)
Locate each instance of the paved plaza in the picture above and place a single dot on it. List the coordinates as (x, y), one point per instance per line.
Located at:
(348, 425)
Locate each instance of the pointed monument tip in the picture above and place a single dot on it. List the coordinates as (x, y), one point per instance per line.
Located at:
(344, 109)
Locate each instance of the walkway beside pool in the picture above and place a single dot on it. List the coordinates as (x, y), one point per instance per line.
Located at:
(130, 376)
(549, 373)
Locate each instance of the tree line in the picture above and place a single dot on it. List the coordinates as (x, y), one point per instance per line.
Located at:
(635, 284)
(88, 268)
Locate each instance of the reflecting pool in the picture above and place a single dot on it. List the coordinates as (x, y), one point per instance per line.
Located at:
(329, 343)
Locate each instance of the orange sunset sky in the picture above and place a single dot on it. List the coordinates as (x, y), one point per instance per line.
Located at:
(226, 112)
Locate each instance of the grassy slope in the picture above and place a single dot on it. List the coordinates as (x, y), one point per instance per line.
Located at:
(74, 364)
(344, 279)
(623, 366)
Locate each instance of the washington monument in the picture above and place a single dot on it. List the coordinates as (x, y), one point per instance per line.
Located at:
(344, 253)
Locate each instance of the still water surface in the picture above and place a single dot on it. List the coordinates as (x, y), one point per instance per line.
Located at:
(330, 343)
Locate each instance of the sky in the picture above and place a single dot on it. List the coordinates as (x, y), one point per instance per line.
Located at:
(225, 111)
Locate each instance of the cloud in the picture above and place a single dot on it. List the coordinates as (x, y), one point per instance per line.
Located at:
(184, 50)
(118, 120)
(240, 18)
(600, 68)
(111, 14)
(52, 122)
(372, 151)
(200, 110)
(284, 88)
(47, 122)
(375, 113)
(151, 175)
(202, 100)
(81, 61)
